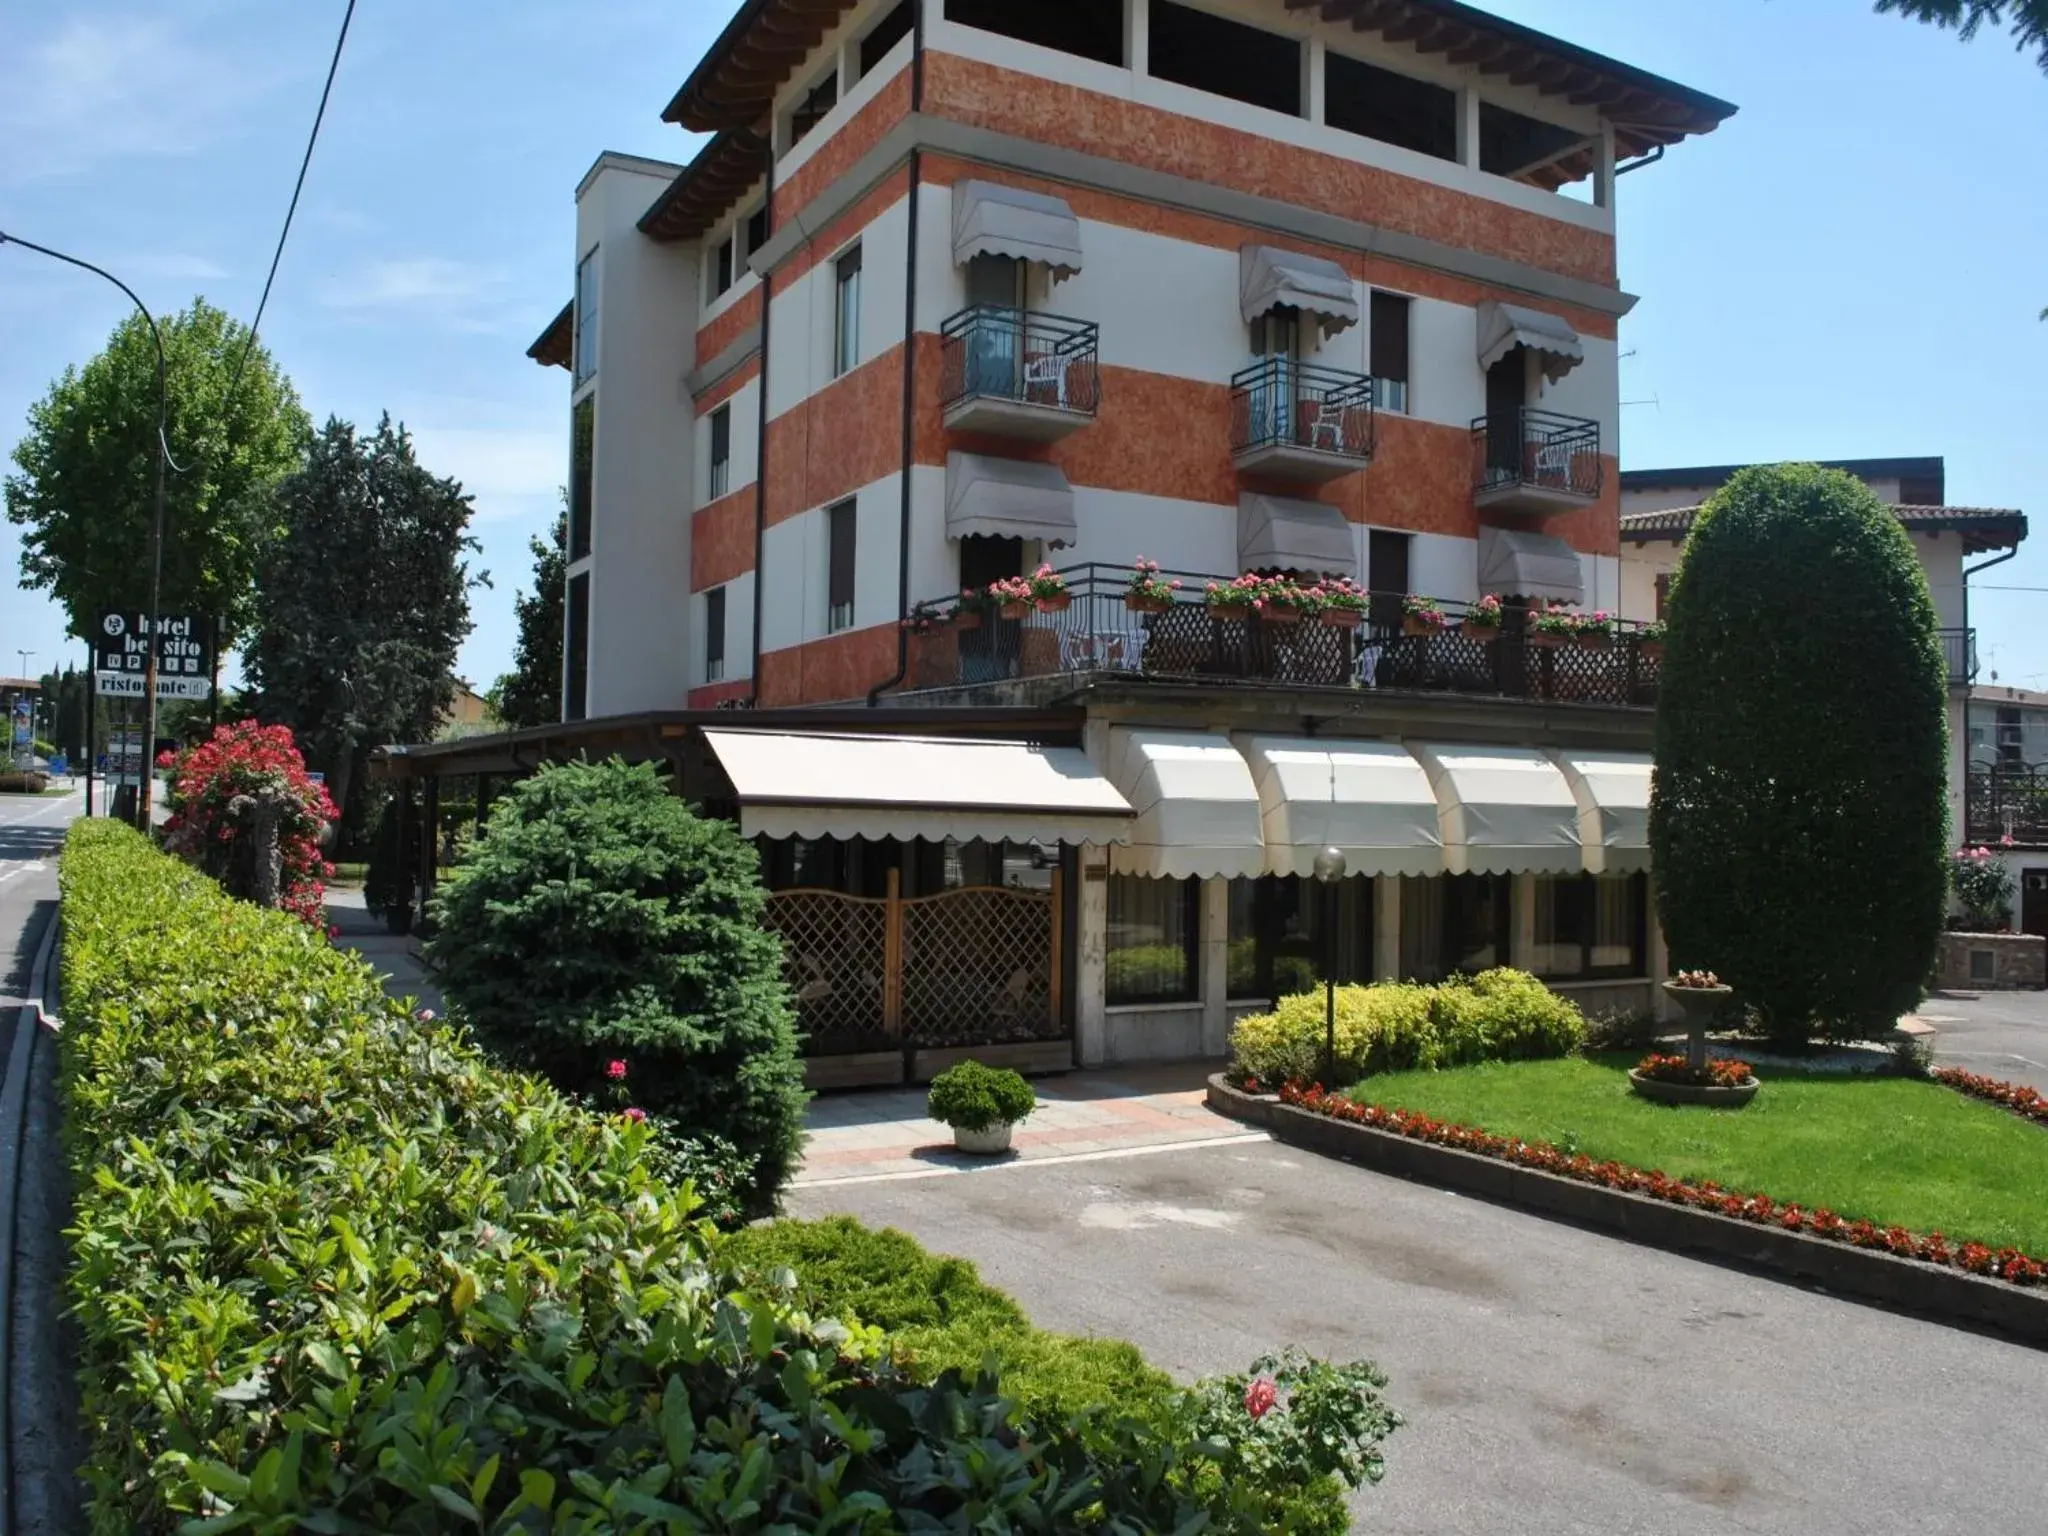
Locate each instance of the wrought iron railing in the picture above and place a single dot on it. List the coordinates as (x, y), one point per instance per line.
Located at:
(1280, 402)
(1541, 449)
(1959, 652)
(2010, 800)
(993, 353)
(1099, 631)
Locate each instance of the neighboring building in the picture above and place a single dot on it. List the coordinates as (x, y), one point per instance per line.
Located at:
(2006, 799)
(468, 713)
(1245, 285)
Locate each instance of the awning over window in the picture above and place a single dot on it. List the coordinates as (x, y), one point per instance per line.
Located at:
(1270, 278)
(1371, 800)
(1613, 793)
(994, 220)
(806, 785)
(1197, 808)
(1514, 562)
(1503, 327)
(1008, 498)
(1502, 811)
(1275, 532)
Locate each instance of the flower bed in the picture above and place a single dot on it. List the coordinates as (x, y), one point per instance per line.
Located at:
(1720, 1072)
(1932, 1248)
(2027, 1103)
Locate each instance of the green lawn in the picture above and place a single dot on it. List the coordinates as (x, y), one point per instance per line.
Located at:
(1892, 1150)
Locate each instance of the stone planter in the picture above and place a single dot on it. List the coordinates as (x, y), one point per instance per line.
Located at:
(990, 1141)
(1990, 962)
(1701, 1007)
(1710, 1094)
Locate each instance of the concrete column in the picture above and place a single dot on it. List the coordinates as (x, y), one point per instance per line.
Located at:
(1659, 957)
(1091, 960)
(1522, 923)
(1603, 169)
(1386, 928)
(1137, 35)
(1314, 98)
(1215, 972)
(1468, 128)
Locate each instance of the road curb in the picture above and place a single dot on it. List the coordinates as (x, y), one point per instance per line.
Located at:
(1863, 1274)
(13, 1122)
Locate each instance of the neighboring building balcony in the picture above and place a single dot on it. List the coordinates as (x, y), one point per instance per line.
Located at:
(2009, 800)
(1959, 653)
(1297, 421)
(1099, 633)
(1528, 460)
(1019, 374)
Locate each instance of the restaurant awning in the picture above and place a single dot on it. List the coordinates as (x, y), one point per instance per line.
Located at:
(1280, 533)
(1503, 327)
(1515, 562)
(1270, 278)
(1197, 810)
(1371, 800)
(1613, 794)
(994, 220)
(792, 784)
(1502, 810)
(1008, 499)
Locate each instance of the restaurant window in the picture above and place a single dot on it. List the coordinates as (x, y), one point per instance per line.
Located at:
(576, 650)
(1277, 940)
(1589, 926)
(1088, 29)
(1453, 923)
(582, 469)
(841, 527)
(1153, 929)
(1396, 109)
(1388, 319)
(1225, 58)
(846, 313)
(586, 317)
(714, 635)
(721, 451)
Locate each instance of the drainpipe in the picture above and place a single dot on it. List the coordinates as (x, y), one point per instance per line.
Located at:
(761, 443)
(1655, 154)
(1963, 832)
(909, 371)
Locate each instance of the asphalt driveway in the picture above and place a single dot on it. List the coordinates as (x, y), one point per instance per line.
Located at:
(1555, 1380)
(2000, 1034)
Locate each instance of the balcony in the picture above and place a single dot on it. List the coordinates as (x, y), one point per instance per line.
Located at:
(1099, 633)
(1296, 421)
(2010, 800)
(1017, 374)
(1535, 461)
(1959, 653)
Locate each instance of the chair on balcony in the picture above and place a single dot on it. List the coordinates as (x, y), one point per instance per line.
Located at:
(1553, 463)
(1325, 418)
(1047, 372)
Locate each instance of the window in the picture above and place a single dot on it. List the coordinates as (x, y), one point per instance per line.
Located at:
(846, 312)
(811, 110)
(1153, 928)
(721, 451)
(1396, 109)
(1278, 945)
(1388, 318)
(1589, 926)
(576, 650)
(840, 527)
(2012, 738)
(1388, 565)
(1510, 143)
(1453, 923)
(1226, 58)
(721, 267)
(1088, 29)
(757, 229)
(586, 317)
(714, 635)
(582, 465)
(888, 32)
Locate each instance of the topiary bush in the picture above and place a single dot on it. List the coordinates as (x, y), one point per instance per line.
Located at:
(600, 920)
(244, 810)
(1798, 817)
(974, 1097)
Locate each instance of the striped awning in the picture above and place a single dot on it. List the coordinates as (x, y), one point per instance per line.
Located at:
(1370, 800)
(1196, 809)
(1502, 810)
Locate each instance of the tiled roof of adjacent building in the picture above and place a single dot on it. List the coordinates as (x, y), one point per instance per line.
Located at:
(1981, 527)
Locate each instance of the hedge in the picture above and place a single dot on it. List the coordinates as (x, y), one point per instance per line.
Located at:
(1497, 1015)
(335, 1272)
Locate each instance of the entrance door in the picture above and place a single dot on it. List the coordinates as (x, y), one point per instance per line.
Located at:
(1507, 391)
(989, 653)
(995, 357)
(2034, 901)
(1386, 576)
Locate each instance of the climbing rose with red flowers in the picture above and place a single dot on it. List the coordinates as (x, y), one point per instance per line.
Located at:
(1260, 1397)
(244, 811)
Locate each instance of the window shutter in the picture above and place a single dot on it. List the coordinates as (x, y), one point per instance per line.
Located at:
(839, 579)
(1389, 336)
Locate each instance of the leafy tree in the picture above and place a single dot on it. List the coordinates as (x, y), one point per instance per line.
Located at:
(531, 693)
(1799, 816)
(2029, 18)
(363, 602)
(85, 489)
(607, 937)
(67, 695)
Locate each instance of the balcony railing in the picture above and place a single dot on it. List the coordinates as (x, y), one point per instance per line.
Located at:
(1098, 632)
(1300, 421)
(1535, 461)
(1019, 373)
(2010, 800)
(1959, 652)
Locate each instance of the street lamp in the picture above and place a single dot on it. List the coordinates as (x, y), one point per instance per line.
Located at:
(24, 655)
(1329, 870)
(156, 527)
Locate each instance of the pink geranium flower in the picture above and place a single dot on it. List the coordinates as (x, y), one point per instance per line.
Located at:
(637, 1115)
(615, 1070)
(1260, 1397)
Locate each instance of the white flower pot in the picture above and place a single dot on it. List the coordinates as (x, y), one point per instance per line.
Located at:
(988, 1142)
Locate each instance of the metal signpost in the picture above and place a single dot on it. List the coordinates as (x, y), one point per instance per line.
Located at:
(123, 664)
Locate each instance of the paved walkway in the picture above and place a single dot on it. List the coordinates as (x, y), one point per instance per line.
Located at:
(883, 1133)
(395, 958)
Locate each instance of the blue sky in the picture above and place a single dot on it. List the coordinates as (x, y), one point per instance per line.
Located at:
(1851, 267)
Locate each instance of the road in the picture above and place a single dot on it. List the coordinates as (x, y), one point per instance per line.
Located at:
(2000, 1034)
(31, 831)
(1555, 1380)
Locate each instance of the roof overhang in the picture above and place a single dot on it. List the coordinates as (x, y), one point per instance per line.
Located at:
(1983, 528)
(553, 346)
(735, 83)
(709, 187)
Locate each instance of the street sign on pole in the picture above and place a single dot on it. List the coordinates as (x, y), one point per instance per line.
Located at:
(184, 656)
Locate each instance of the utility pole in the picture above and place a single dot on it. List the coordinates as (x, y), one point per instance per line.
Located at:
(156, 525)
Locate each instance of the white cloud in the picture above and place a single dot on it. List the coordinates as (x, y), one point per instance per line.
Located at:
(511, 471)
(414, 281)
(173, 266)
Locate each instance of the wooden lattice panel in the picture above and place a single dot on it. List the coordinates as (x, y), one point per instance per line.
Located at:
(977, 968)
(834, 951)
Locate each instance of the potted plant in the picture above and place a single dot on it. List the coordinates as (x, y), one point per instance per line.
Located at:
(1011, 596)
(1594, 631)
(1650, 639)
(967, 613)
(1421, 616)
(1146, 592)
(1049, 590)
(1232, 600)
(1342, 605)
(1482, 620)
(1281, 601)
(1722, 1081)
(925, 618)
(982, 1104)
(1549, 628)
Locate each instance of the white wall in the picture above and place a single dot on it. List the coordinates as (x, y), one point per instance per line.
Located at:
(800, 329)
(796, 552)
(739, 632)
(1641, 565)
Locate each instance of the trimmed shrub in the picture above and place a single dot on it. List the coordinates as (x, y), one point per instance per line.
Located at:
(601, 920)
(974, 1097)
(335, 1272)
(1498, 1015)
(1798, 819)
(1983, 885)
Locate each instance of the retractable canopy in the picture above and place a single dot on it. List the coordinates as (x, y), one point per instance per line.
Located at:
(827, 785)
(1270, 278)
(1197, 810)
(1503, 327)
(1276, 532)
(1008, 498)
(1502, 810)
(1613, 794)
(990, 219)
(1515, 562)
(1370, 800)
